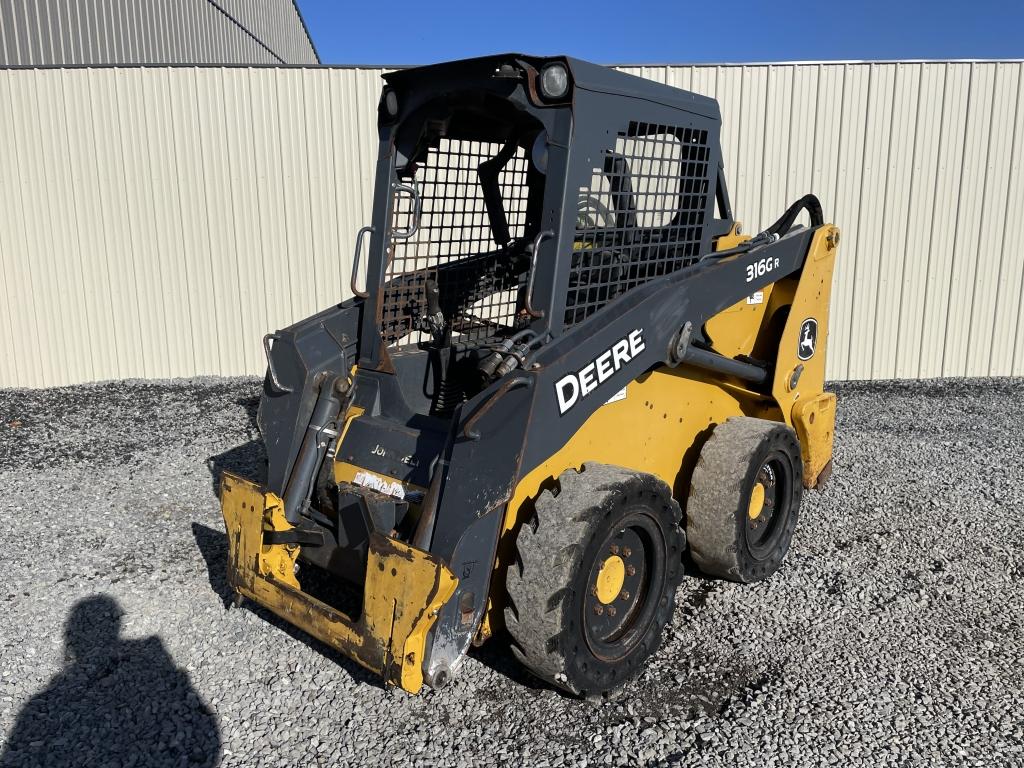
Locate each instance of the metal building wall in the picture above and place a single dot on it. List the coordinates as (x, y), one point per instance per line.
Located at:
(91, 32)
(919, 163)
(277, 24)
(157, 222)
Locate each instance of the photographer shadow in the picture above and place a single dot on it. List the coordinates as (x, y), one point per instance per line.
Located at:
(115, 702)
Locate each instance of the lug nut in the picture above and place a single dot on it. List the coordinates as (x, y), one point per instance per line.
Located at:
(611, 610)
(626, 552)
(630, 570)
(599, 609)
(624, 595)
(614, 549)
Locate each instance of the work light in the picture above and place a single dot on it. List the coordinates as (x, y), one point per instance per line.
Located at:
(554, 81)
(391, 103)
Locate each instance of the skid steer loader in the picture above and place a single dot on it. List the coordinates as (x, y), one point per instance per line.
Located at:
(563, 377)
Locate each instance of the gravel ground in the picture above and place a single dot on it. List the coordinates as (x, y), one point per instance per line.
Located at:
(893, 636)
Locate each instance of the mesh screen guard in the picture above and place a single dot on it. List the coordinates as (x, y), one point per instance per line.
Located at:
(641, 215)
(479, 280)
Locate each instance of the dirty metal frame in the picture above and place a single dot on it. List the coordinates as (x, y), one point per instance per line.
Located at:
(497, 437)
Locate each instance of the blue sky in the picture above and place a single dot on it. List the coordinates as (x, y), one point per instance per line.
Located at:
(634, 31)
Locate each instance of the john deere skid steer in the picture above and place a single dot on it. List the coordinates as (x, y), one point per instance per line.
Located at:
(563, 378)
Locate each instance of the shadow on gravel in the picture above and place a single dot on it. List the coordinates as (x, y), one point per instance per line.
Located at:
(496, 654)
(249, 459)
(116, 702)
(213, 545)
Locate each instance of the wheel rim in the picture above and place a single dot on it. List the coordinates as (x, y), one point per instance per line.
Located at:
(768, 506)
(624, 584)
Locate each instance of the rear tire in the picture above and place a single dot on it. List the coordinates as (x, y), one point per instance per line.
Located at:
(594, 580)
(744, 499)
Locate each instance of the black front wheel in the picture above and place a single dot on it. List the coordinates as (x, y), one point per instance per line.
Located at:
(595, 579)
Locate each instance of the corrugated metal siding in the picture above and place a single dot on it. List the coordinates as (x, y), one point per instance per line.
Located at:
(157, 222)
(277, 24)
(919, 164)
(77, 32)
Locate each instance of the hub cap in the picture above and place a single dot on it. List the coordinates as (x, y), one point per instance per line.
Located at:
(610, 579)
(768, 507)
(756, 505)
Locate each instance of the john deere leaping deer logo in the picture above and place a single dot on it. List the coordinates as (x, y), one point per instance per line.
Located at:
(808, 339)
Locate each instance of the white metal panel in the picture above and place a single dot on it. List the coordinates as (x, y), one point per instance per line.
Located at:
(828, 122)
(879, 131)
(966, 251)
(939, 265)
(21, 364)
(1008, 327)
(243, 191)
(157, 222)
(915, 248)
(850, 160)
(777, 137)
(802, 126)
(728, 82)
(878, 352)
(980, 304)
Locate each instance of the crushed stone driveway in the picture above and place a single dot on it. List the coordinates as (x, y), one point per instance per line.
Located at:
(892, 636)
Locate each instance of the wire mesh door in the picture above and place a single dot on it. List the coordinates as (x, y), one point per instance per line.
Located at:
(478, 284)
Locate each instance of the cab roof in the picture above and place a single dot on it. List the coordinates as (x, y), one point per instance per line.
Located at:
(586, 76)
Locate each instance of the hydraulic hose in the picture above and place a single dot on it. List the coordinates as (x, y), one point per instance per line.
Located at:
(809, 203)
(489, 366)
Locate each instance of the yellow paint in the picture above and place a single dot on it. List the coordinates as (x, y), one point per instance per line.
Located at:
(815, 423)
(658, 428)
(353, 413)
(732, 238)
(346, 473)
(743, 329)
(277, 560)
(810, 299)
(734, 330)
(403, 591)
(756, 504)
(610, 579)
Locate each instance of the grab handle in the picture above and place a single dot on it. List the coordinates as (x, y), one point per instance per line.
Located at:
(541, 237)
(276, 382)
(417, 210)
(355, 262)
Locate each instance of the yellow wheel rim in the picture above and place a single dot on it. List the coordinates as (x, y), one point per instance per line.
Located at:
(610, 579)
(756, 505)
